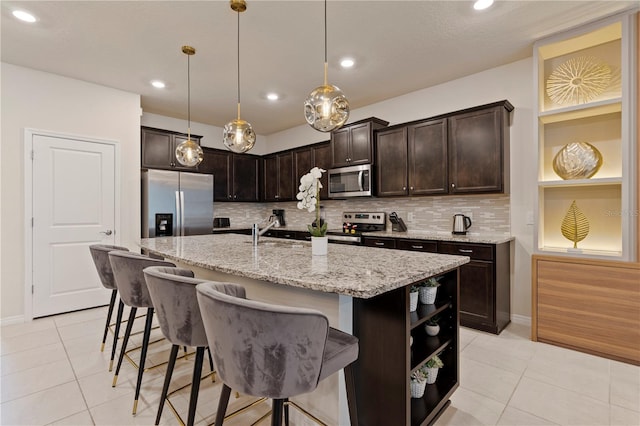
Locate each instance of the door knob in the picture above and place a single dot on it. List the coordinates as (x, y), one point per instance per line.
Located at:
(107, 232)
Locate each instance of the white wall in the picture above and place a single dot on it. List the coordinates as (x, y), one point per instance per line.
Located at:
(513, 82)
(211, 135)
(33, 99)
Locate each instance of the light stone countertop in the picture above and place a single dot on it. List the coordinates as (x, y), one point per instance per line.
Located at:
(357, 271)
(445, 236)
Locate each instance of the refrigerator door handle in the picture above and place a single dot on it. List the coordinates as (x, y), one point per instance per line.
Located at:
(178, 230)
(182, 214)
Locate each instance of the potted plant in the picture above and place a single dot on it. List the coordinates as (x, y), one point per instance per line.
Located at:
(431, 326)
(413, 297)
(418, 383)
(309, 199)
(431, 367)
(428, 291)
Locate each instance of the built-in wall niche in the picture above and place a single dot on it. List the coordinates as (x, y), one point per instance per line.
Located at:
(601, 204)
(591, 61)
(601, 131)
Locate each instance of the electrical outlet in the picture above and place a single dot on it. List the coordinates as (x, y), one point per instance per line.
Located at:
(410, 217)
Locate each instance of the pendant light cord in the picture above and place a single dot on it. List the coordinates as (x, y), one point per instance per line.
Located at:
(238, 45)
(325, 43)
(188, 97)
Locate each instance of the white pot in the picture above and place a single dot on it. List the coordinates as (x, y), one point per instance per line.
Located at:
(319, 246)
(413, 301)
(432, 374)
(417, 388)
(428, 295)
(432, 330)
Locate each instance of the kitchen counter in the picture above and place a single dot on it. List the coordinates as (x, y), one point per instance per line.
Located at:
(356, 271)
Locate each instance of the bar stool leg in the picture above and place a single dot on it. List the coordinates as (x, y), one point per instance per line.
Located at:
(116, 333)
(125, 340)
(276, 415)
(286, 412)
(222, 404)
(143, 356)
(195, 385)
(167, 380)
(350, 384)
(114, 293)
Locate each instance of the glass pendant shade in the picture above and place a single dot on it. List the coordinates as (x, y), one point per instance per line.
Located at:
(326, 108)
(189, 153)
(238, 136)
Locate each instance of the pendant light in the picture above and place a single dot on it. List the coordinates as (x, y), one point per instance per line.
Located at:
(238, 135)
(189, 153)
(326, 108)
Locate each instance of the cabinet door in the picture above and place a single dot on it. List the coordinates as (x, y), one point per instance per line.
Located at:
(360, 144)
(218, 163)
(303, 162)
(245, 178)
(391, 162)
(270, 178)
(340, 147)
(477, 293)
(322, 159)
(427, 144)
(285, 177)
(156, 149)
(476, 151)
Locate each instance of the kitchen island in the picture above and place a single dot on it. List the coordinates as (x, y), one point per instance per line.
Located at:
(363, 291)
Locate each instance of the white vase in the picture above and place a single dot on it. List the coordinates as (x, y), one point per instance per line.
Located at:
(432, 374)
(319, 245)
(432, 330)
(417, 388)
(428, 295)
(413, 301)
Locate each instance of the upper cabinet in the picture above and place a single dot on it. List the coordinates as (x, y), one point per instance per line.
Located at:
(587, 191)
(278, 177)
(353, 144)
(317, 155)
(158, 149)
(235, 176)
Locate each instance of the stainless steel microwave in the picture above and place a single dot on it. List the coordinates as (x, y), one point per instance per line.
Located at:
(351, 181)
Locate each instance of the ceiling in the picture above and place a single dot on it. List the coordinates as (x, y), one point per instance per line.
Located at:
(399, 47)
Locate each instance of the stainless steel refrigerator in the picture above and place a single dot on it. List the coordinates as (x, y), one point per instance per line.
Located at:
(176, 203)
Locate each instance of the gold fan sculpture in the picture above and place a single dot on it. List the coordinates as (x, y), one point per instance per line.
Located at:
(578, 80)
(577, 160)
(575, 226)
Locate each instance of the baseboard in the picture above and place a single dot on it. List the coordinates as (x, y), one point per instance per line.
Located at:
(17, 319)
(521, 319)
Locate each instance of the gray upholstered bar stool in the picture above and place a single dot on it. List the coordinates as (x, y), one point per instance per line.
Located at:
(128, 272)
(272, 351)
(173, 292)
(100, 255)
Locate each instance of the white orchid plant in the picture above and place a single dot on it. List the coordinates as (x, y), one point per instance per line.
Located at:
(309, 199)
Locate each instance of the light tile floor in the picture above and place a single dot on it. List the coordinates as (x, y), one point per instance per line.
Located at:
(53, 373)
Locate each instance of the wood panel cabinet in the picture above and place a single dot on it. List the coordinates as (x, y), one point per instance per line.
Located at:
(158, 149)
(412, 159)
(485, 294)
(383, 396)
(317, 155)
(235, 176)
(278, 177)
(479, 150)
(353, 144)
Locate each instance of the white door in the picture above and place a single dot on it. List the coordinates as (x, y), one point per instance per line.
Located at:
(73, 207)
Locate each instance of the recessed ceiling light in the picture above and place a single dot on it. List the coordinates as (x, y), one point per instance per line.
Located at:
(347, 63)
(24, 16)
(158, 84)
(482, 4)
(273, 96)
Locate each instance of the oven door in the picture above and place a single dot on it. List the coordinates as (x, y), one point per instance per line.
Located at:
(352, 181)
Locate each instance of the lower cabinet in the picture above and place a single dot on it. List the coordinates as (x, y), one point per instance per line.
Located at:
(397, 337)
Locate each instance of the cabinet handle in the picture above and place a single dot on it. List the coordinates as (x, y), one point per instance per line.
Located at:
(287, 235)
(404, 188)
(453, 185)
(277, 196)
(235, 196)
(411, 188)
(229, 196)
(378, 243)
(465, 251)
(417, 247)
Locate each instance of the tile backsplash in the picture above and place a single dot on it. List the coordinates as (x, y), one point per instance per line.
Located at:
(490, 214)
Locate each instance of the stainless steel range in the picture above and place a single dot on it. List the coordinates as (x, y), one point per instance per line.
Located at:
(355, 224)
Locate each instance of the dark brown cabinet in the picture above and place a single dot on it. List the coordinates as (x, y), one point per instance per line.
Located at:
(353, 144)
(381, 242)
(479, 150)
(316, 155)
(278, 177)
(158, 149)
(485, 295)
(235, 176)
(412, 159)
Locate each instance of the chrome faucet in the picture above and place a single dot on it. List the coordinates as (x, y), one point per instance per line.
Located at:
(256, 232)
